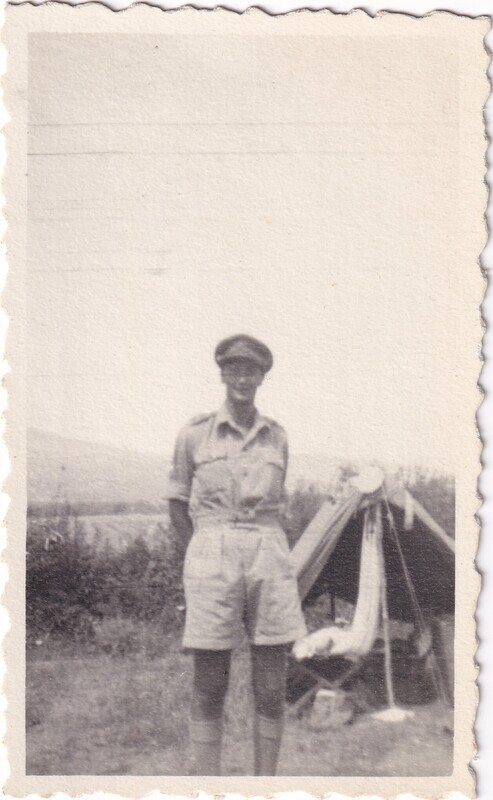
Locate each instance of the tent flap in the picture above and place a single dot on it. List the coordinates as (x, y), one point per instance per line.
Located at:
(318, 541)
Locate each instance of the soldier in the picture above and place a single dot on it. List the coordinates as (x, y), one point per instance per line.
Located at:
(226, 487)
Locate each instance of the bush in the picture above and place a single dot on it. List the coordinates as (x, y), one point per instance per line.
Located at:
(301, 507)
(437, 494)
(61, 582)
(70, 587)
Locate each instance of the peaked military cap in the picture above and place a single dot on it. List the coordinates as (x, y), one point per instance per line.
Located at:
(246, 347)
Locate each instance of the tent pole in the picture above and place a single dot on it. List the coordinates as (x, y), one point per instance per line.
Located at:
(387, 652)
(392, 713)
(389, 684)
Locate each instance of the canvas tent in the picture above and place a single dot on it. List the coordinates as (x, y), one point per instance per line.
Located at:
(326, 557)
(415, 579)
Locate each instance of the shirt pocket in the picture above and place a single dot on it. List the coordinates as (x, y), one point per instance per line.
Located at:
(212, 478)
(262, 479)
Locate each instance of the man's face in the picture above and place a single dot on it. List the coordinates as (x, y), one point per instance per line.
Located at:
(242, 379)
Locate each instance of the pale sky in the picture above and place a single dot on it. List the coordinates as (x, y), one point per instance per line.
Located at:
(292, 188)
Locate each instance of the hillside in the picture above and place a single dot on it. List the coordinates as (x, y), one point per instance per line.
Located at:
(88, 471)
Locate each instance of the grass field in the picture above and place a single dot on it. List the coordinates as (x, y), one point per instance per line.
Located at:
(89, 713)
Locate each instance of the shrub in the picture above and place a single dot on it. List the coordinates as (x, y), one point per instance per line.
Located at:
(437, 494)
(62, 580)
(301, 507)
(70, 586)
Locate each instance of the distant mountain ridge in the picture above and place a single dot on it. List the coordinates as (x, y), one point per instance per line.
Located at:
(82, 471)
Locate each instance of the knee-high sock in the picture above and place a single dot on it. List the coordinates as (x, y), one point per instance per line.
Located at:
(267, 742)
(205, 736)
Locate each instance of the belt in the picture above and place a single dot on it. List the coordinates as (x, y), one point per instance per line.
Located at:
(247, 521)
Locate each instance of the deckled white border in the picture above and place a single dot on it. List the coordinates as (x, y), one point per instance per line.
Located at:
(483, 763)
(4, 458)
(415, 8)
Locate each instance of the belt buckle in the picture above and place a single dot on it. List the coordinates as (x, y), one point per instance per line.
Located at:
(244, 520)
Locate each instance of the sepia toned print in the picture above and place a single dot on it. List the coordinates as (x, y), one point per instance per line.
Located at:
(244, 322)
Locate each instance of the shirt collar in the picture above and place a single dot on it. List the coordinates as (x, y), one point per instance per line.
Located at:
(223, 417)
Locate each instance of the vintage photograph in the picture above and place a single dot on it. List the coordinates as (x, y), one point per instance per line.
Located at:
(247, 324)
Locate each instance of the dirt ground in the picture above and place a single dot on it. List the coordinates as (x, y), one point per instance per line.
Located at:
(96, 714)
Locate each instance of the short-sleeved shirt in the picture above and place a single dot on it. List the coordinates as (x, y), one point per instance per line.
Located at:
(224, 473)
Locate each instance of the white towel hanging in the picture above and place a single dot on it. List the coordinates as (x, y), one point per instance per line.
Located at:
(356, 639)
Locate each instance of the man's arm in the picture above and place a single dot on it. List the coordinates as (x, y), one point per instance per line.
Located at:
(179, 488)
(180, 522)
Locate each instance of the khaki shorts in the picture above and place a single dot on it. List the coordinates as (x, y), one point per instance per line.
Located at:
(240, 576)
